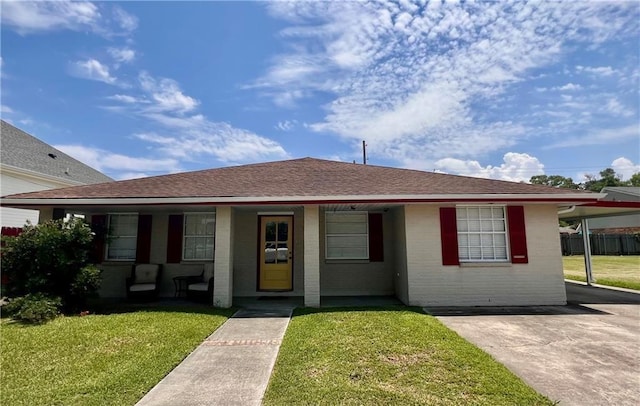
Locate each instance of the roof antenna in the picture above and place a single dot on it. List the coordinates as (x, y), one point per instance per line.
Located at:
(364, 152)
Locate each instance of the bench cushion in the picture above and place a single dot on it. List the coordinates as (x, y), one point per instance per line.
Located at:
(201, 287)
(142, 287)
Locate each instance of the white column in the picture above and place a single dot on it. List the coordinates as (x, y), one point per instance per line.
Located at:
(223, 265)
(311, 256)
(587, 250)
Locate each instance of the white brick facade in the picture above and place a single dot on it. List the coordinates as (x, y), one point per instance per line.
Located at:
(540, 282)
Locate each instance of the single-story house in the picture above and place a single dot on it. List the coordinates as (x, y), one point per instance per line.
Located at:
(28, 164)
(316, 228)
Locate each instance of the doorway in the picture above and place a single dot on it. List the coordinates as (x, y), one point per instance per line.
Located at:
(275, 265)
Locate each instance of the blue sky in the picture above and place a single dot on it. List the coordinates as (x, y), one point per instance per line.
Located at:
(492, 89)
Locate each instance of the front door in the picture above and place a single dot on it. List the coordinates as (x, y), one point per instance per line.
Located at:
(276, 253)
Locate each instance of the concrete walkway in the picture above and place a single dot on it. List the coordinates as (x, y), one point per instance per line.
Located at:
(231, 367)
(585, 353)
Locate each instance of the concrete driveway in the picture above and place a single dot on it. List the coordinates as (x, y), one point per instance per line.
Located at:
(585, 353)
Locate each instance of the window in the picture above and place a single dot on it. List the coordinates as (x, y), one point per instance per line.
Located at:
(199, 230)
(123, 235)
(482, 233)
(347, 235)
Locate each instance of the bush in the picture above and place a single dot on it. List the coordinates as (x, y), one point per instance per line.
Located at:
(51, 258)
(35, 308)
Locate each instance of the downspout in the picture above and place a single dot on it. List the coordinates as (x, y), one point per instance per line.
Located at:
(587, 250)
(567, 210)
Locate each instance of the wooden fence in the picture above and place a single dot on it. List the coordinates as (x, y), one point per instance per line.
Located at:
(601, 244)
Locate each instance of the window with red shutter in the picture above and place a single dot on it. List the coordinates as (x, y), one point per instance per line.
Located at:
(449, 236)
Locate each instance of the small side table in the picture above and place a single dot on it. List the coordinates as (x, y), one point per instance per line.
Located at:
(180, 284)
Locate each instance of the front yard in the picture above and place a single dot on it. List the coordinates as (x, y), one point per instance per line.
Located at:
(99, 359)
(620, 271)
(386, 356)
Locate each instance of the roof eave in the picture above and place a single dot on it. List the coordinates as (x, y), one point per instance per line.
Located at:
(572, 198)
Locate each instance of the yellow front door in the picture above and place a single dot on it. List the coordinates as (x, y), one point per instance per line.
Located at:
(276, 253)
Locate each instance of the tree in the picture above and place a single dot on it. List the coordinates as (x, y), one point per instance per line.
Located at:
(52, 259)
(608, 177)
(554, 180)
(635, 179)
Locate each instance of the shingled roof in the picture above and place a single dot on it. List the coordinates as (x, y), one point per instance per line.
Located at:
(24, 151)
(303, 177)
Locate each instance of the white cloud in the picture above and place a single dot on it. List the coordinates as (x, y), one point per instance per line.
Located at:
(410, 82)
(600, 137)
(124, 98)
(30, 17)
(625, 167)
(220, 140)
(126, 21)
(166, 94)
(118, 165)
(286, 125)
(616, 108)
(92, 69)
(188, 136)
(122, 55)
(596, 70)
(517, 167)
(5, 109)
(570, 87)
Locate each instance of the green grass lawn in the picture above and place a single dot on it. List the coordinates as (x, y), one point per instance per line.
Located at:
(621, 271)
(109, 359)
(386, 356)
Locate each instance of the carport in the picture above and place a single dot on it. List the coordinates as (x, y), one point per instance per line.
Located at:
(585, 353)
(596, 210)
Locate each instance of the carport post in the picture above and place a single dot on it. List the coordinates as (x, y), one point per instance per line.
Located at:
(587, 250)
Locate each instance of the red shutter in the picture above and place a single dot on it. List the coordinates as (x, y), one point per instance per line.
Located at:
(449, 236)
(517, 235)
(174, 239)
(99, 228)
(376, 247)
(143, 246)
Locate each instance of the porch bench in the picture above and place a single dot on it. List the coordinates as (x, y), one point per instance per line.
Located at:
(144, 281)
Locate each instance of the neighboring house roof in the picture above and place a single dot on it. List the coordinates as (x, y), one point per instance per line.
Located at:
(622, 193)
(306, 180)
(24, 152)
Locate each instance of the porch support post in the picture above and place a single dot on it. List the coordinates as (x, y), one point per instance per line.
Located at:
(587, 250)
(46, 214)
(223, 264)
(311, 256)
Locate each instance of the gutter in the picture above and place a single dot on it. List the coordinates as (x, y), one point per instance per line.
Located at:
(291, 200)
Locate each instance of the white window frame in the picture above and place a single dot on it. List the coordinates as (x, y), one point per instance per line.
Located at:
(198, 236)
(112, 237)
(481, 233)
(328, 235)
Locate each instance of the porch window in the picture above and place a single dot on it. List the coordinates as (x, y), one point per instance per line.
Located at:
(347, 235)
(198, 236)
(123, 235)
(482, 233)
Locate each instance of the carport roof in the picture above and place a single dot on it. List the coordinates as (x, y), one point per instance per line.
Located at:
(600, 209)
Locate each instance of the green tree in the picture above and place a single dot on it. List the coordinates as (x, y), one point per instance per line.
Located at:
(51, 258)
(608, 177)
(554, 180)
(635, 179)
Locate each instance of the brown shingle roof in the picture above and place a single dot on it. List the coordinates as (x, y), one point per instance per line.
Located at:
(297, 177)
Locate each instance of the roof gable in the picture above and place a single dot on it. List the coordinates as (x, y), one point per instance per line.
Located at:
(305, 177)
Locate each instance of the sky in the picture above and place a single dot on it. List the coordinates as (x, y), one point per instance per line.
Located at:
(504, 90)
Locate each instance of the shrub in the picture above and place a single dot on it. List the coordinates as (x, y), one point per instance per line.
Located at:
(52, 258)
(33, 308)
